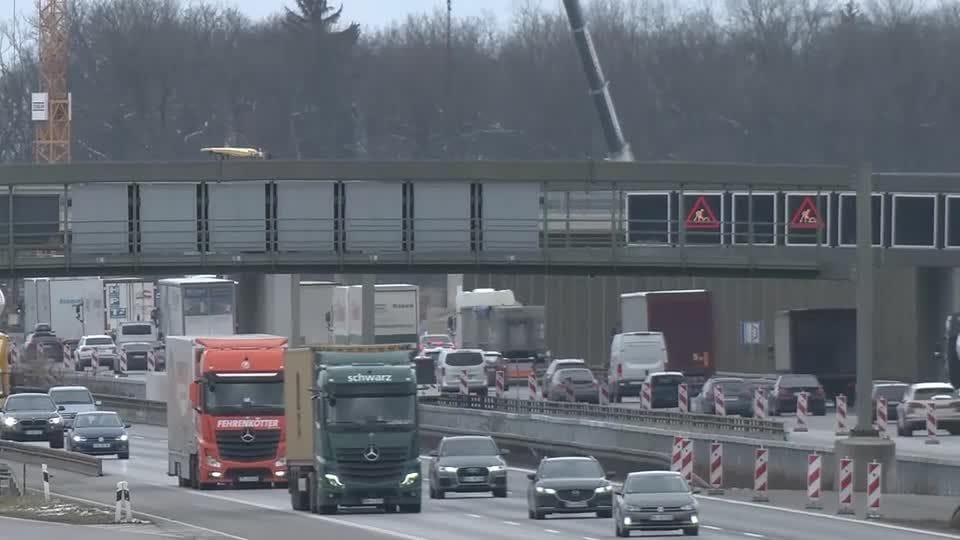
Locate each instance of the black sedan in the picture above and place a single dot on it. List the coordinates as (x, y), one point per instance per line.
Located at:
(569, 485)
(99, 433)
(467, 464)
(31, 417)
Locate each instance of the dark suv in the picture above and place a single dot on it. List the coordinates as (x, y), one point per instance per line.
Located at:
(783, 398)
(468, 464)
(31, 417)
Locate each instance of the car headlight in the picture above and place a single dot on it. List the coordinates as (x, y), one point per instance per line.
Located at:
(496, 468)
(410, 479)
(448, 469)
(688, 507)
(548, 491)
(55, 420)
(333, 480)
(124, 437)
(9, 421)
(603, 489)
(631, 508)
(77, 438)
(212, 462)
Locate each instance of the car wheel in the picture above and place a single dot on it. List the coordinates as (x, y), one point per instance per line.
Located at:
(691, 531)
(56, 442)
(124, 456)
(441, 494)
(605, 514)
(327, 510)
(410, 508)
(539, 514)
(530, 514)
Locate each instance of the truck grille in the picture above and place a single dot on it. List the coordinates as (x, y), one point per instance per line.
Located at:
(263, 446)
(575, 495)
(351, 463)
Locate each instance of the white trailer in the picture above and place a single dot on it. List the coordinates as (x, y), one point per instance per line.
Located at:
(197, 306)
(396, 320)
(316, 311)
(478, 298)
(55, 301)
(128, 300)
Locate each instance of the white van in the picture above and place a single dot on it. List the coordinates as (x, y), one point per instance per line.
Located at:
(136, 332)
(634, 356)
(470, 362)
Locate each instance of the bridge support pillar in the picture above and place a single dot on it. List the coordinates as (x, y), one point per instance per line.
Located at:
(938, 292)
(270, 304)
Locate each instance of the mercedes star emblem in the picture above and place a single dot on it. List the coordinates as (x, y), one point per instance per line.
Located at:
(248, 436)
(371, 453)
(659, 509)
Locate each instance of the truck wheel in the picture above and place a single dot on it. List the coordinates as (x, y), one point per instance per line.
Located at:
(194, 472)
(299, 501)
(56, 441)
(410, 508)
(500, 493)
(327, 510)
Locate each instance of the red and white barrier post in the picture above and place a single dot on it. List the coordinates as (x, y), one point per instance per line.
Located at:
(646, 396)
(760, 460)
(814, 474)
(874, 487)
(67, 359)
(13, 353)
(687, 455)
(676, 454)
(568, 391)
(683, 398)
(846, 487)
(533, 387)
(881, 422)
(801, 413)
(716, 468)
(120, 364)
(464, 387)
(499, 384)
(760, 404)
(719, 405)
(932, 424)
(94, 361)
(842, 415)
(603, 387)
(151, 361)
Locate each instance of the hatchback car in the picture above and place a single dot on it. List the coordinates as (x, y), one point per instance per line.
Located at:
(569, 485)
(560, 363)
(783, 398)
(467, 464)
(892, 392)
(655, 501)
(99, 433)
(737, 397)
(580, 380)
(72, 400)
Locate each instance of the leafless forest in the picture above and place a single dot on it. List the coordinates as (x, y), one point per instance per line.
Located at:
(757, 81)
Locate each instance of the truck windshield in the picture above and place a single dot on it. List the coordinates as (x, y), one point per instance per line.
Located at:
(363, 410)
(136, 329)
(239, 398)
(71, 397)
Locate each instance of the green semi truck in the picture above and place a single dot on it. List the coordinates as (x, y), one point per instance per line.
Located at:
(352, 428)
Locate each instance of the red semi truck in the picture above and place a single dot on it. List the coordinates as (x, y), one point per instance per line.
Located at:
(225, 416)
(686, 320)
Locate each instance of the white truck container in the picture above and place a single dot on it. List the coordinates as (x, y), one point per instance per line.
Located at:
(316, 311)
(197, 306)
(475, 299)
(55, 301)
(397, 317)
(128, 300)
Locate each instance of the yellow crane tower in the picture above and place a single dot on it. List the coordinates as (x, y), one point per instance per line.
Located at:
(52, 105)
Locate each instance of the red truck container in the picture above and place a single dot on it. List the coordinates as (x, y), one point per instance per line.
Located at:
(686, 320)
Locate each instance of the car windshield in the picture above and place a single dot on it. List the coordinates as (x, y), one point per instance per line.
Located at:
(97, 420)
(575, 375)
(435, 340)
(30, 403)
(469, 447)
(731, 387)
(463, 359)
(656, 483)
(570, 468)
(365, 410)
(136, 329)
(242, 398)
(71, 397)
(798, 381)
(893, 392)
(928, 393)
(98, 341)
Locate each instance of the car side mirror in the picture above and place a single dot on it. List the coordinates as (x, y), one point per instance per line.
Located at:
(98, 403)
(127, 426)
(434, 453)
(505, 452)
(695, 491)
(61, 408)
(532, 476)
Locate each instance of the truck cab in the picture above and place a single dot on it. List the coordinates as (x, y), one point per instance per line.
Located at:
(362, 423)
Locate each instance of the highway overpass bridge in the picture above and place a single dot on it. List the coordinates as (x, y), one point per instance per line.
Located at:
(580, 217)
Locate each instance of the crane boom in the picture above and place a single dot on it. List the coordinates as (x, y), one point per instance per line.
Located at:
(598, 86)
(52, 118)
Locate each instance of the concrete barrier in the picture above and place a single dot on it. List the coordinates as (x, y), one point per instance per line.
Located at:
(53, 458)
(135, 411)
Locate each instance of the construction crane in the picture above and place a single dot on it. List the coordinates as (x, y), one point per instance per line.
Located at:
(599, 88)
(52, 105)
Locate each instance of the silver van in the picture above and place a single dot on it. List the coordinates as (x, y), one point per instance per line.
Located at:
(469, 362)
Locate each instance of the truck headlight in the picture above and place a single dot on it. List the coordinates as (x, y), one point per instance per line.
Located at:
(410, 479)
(9, 421)
(212, 462)
(448, 469)
(603, 489)
(548, 491)
(495, 468)
(124, 437)
(55, 420)
(333, 480)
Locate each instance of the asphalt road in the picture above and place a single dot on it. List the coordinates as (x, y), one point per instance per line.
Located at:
(266, 514)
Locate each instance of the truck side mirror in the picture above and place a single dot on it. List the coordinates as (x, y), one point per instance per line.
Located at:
(195, 396)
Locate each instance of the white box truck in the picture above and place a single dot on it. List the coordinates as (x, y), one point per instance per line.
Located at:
(54, 301)
(128, 300)
(197, 306)
(397, 317)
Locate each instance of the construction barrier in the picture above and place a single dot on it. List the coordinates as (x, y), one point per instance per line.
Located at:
(687, 455)
(68, 358)
(842, 428)
(500, 385)
(932, 424)
(760, 404)
(646, 396)
(464, 387)
(801, 413)
(683, 398)
(532, 387)
(676, 454)
(881, 423)
(123, 503)
(151, 361)
(814, 474)
(760, 460)
(719, 405)
(874, 487)
(603, 386)
(94, 361)
(120, 364)
(569, 392)
(846, 487)
(716, 468)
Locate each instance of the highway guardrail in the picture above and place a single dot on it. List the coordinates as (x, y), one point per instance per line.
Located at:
(54, 458)
(732, 425)
(135, 411)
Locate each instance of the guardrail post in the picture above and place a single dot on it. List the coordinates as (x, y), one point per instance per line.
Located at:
(846, 486)
(123, 505)
(814, 463)
(931, 424)
(881, 414)
(874, 487)
(801, 426)
(46, 482)
(683, 398)
(716, 468)
(842, 414)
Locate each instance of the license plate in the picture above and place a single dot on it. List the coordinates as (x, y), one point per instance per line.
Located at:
(661, 517)
(34, 432)
(474, 478)
(371, 501)
(249, 478)
(101, 445)
(578, 504)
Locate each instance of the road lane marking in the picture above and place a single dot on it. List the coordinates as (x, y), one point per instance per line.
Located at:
(552, 531)
(475, 516)
(711, 527)
(753, 535)
(512, 523)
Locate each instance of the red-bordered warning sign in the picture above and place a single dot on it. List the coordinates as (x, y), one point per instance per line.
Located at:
(701, 216)
(807, 215)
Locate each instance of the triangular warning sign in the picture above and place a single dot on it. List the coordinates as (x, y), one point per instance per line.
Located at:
(807, 216)
(701, 216)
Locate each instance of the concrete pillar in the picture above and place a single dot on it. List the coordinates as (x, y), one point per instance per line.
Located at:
(936, 290)
(249, 301)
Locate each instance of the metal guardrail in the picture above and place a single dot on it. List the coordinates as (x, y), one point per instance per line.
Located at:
(667, 419)
(53, 458)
